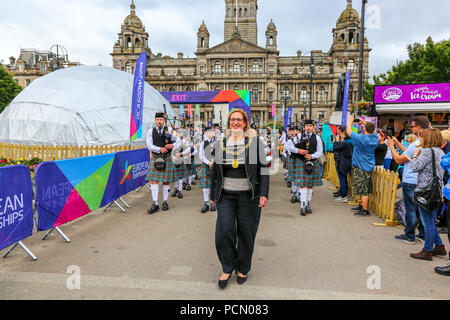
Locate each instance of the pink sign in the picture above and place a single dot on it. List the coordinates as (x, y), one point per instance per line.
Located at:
(414, 93)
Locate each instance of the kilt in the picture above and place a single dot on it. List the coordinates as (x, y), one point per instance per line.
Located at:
(290, 168)
(192, 169)
(181, 172)
(301, 178)
(205, 181)
(165, 176)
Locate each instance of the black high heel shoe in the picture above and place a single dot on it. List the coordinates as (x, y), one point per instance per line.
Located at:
(241, 280)
(223, 283)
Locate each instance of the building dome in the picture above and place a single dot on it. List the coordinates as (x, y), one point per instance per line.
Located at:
(271, 26)
(132, 20)
(87, 105)
(203, 28)
(349, 15)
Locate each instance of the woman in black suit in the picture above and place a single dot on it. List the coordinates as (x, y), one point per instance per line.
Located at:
(239, 189)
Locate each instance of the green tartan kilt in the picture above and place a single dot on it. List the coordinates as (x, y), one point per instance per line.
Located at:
(192, 169)
(205, 181)
(301, 178)
(163, 176)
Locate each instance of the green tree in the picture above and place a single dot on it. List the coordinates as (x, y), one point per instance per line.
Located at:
(426, 63)
(9, 89)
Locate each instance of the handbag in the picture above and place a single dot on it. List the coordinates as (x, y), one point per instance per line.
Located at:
(160, 163)
(429, 197)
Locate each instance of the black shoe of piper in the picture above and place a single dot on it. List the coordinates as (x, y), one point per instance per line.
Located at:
(188, 187)
(165, 206)
(303, 211)
(180, 195)
(153, 209)
(175, 193)
(205, 208)
(308, 210)
(443, 271)
(213, 207)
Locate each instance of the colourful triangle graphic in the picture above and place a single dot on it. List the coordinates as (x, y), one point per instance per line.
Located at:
(74, 208)
(226, 96)
(245, 95)
(83, 168)
(93, 187)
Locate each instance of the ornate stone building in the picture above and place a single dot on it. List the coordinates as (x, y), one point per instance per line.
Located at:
(239, 63)
(32, 64)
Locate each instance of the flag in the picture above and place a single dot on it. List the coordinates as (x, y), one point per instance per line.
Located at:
(197, 110)
(137, 101)
(318, 125)
(275, 123)
(181, 110)
(282, 112)
(189, 110)
(273, 111)
(345, 106)
(288, 118)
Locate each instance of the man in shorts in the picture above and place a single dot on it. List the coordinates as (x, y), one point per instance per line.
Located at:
(363, 162)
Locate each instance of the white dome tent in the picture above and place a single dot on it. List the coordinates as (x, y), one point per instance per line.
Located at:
(86, 105)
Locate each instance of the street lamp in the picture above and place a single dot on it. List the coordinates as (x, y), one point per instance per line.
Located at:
(285, 96)
(361, 50)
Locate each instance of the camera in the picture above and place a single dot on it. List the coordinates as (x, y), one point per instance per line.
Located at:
(355, 120)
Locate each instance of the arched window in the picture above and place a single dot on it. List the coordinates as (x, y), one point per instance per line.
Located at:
(172, 89)
(271, 40)
(322, 95)
(303, 95)
(252, 11)
(240, 12)
(188, 89)
(218, 67)
(237, 67)
(129, 42)
(218, 88)
(255, 67)
(351, 65)
(343, 37)
(245, 12)
(128, 68)
(255, 94)
(234, 15)
(202, 43)
(351, 37)
(236, 87)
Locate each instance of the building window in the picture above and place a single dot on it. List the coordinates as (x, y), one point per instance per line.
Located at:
(237, 68)
(202, 43)
(245, 12)
(218, 88)
(321, 116)
(128, 68)
(236, 87)
(303, 95)
(218, 68)
(27, 82)
(255, 67)
(188, 89)
(322, 96)
(270, 96)
(20, 67)
(351, 65)
(172, 89)
(350, 94)
(129, 43)
(42, 68)
(255, 94)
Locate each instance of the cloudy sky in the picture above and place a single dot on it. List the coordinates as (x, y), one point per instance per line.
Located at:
(88, 28)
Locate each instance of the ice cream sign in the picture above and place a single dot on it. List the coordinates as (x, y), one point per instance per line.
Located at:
(434, 92)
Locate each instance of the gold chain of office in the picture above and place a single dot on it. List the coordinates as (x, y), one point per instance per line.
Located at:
(235, 163)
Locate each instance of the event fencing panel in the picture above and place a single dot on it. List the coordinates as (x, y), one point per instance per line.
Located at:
(70, 189)
(16, 204)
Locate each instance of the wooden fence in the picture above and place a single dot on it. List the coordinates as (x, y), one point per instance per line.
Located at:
(18, 152)
(384, 195)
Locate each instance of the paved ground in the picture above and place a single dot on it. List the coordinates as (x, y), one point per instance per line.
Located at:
(172, 256)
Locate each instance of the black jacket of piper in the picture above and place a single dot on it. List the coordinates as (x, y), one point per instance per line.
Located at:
(255, 167)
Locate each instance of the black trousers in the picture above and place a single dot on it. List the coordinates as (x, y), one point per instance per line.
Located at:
(236, 227)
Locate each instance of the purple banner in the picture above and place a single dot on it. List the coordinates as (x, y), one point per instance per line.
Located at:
(345, 105)
(414, 93)
(235, 98)
(16, 205)
(137, 102)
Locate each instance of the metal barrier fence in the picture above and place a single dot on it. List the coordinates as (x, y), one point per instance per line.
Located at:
(383, 198)
(18, 152)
